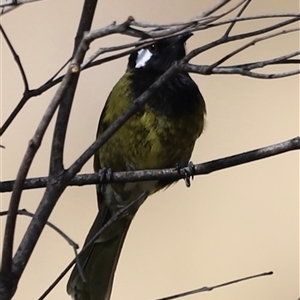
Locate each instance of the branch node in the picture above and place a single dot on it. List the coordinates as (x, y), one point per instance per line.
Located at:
(130, 19)
(75, 68)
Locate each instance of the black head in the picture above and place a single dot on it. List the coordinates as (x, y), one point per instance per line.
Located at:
(160, 55)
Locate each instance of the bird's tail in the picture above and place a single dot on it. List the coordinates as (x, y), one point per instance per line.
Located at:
(98, 261)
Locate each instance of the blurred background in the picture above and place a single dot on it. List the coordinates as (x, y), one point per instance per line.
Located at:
(229, 224)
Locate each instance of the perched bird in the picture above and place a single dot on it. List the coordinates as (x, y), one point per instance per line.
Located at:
(161, 135)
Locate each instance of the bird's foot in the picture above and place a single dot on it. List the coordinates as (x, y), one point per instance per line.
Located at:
(189, 172)
(105, 175)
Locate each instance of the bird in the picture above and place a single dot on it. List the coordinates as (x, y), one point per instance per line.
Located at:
(162, 134)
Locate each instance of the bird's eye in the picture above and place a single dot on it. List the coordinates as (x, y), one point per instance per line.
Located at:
(152, 48)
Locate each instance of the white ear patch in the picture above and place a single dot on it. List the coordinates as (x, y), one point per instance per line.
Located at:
(142, 57)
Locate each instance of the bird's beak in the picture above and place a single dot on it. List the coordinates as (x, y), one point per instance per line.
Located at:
(181, 38)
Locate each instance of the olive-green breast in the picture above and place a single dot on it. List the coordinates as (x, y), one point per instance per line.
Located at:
(153, 138)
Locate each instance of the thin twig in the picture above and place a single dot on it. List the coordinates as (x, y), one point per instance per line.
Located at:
(273, 61)
(244, 19)
(206, 22)
(227, 12)
(58, 71)
(138, 45)
(200, 21)
(10, 5)
(15, 2)
(29, 94)
(210, 288)
(236, 37)
(51, 82)
(257, 75)
(25, 212)
(238, 71)
(215, 8)
(238, 15)
(17, 59)
(251, 43)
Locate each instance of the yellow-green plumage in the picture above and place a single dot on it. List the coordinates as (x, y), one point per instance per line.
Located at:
(149, 140)
(161, 135)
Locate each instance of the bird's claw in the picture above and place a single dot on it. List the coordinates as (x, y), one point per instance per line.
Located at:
(105, 175)
(189, 173)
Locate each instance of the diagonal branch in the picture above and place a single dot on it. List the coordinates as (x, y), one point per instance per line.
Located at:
(25, 212)
(215, 8)
(238, 15)
(57, 149)
(237, 37)
(134, 108)
(30, 94)
(210, 288)
(33, 147)
(8, 5)
(5, 3)
(17, 59)
(251, 43)
(36, 225)
(167, 174)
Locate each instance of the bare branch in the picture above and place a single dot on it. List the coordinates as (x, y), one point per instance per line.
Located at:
(245, 69)
(216, 7)
(237, 37)
(17, 59)
(251, 43)
(284, 59)
(238, 15)
(210, 288)
(57, 72)
(58, 142)
(66, 92)
(5, 3)
(202, 20)
(30, 94)
(33, 146)
(170, 174)
(239, 71)
(8, 5)
(138, 45)
(248, 18)
(202, 23)
(25, 212)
